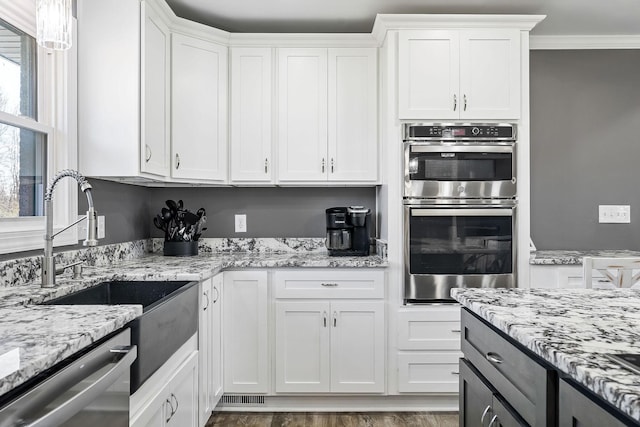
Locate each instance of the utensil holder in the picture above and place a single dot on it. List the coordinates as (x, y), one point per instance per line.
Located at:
(180, 248)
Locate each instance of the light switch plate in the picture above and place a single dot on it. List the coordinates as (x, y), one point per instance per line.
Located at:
(241, 223)
(614, 214)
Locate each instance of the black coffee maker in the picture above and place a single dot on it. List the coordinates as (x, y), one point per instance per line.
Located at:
(348, 231)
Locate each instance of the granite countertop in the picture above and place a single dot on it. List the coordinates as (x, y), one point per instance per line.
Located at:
(571, 329)
(567, 257)
(34, 338)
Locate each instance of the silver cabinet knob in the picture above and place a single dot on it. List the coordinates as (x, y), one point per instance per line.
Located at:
(177, 161)
(455, 102)
(147, 153)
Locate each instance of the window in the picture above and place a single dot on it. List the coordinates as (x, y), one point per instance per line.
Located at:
(37, 132)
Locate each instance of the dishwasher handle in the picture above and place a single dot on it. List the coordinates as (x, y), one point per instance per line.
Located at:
(125, 355)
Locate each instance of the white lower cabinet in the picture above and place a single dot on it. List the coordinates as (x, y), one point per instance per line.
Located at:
(429, 349)
(245, 339)
(329, 346)
(175, 404)
(560, 277)
(210, 347)
(329, 331)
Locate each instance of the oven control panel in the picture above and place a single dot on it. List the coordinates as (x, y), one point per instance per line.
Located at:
(462, 132)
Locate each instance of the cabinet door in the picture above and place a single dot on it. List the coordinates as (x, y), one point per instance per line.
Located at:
(357, 347)
(199, 109)
(476, 399)
(184, 395)
(352, 131)
(302, 346)
(302, 114)
(155, 93)
(490, 74)
(156, 419)
(251, 114)
(578, 410)
(246, 327)
(428, 75)
(215, 359)
(205, 353)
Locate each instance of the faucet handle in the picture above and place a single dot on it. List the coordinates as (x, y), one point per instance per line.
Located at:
(77, 271)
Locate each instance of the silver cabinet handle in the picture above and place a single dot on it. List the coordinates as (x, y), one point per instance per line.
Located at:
(487, 410)
(173, 396)
(329, 285)
(323, 165)
(494, 358)
(324, 316)
(332, 165)
(172, 411)
(335, 319)
(177, 161)
(455, 373)
(206, 294)
(493, 420)
(215, 300)
(456, 331)
(147, 153)
(455, 102)
(266, 165)
(464, 97)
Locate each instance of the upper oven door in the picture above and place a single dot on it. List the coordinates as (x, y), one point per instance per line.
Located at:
(459, 171)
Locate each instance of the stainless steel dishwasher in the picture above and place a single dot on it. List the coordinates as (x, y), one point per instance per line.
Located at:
(93, 390)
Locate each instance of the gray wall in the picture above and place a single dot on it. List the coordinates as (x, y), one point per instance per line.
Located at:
(271, 211)
(585, 147)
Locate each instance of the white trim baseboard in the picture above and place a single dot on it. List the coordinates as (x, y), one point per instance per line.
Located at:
(585, 42)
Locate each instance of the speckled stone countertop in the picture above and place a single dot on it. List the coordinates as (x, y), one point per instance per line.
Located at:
(34, 338)
(571, 329)
(562, 257)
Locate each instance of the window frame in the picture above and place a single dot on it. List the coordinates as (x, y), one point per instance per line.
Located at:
(57, 119)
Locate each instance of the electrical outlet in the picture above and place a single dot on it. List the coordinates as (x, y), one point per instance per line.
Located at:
(101, 226)
(614, 214)
(241, 223)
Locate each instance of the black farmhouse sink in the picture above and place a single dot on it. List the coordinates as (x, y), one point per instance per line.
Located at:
(169, 318)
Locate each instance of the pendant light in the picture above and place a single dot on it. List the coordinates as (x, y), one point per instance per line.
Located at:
(54, 23)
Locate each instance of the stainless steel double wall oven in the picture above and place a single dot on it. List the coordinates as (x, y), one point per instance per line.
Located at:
(459, 208)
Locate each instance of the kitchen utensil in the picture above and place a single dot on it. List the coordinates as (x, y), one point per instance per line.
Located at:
(180, 205)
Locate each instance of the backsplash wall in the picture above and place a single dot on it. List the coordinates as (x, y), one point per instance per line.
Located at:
(585, 147)
(271, 211)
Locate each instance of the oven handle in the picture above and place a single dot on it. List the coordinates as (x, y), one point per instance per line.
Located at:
(66, 410)
(461, 212)
(421, 148)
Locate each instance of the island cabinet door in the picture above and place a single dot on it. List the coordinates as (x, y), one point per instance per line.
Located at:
(476, 398)
(577, 410)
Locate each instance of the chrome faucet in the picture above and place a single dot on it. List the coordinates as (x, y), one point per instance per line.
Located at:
(48, 263)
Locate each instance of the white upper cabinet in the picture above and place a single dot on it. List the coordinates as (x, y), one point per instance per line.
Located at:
(123, 89)
(352, 130)
(198, 109)
(459, 74)
(302, 110)
(251, 114)
(429, 74)
(327, 104)
(155, 92)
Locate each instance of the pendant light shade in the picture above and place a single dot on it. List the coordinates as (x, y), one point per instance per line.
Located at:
(54, 23)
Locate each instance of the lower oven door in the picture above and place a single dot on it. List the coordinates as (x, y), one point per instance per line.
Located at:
(450, 247)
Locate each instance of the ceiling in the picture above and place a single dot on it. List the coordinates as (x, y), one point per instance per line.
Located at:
(564, 17)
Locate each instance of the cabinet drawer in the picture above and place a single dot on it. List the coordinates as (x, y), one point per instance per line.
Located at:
(526, 384)
(428, 372)
(432, 328)
(343, 283)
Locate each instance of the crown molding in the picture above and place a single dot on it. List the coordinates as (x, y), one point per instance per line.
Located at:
(20, 14)
(584, 42)
(302, 40)
(386, 22)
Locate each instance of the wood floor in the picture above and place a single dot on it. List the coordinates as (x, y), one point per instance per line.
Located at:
(332, 419)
